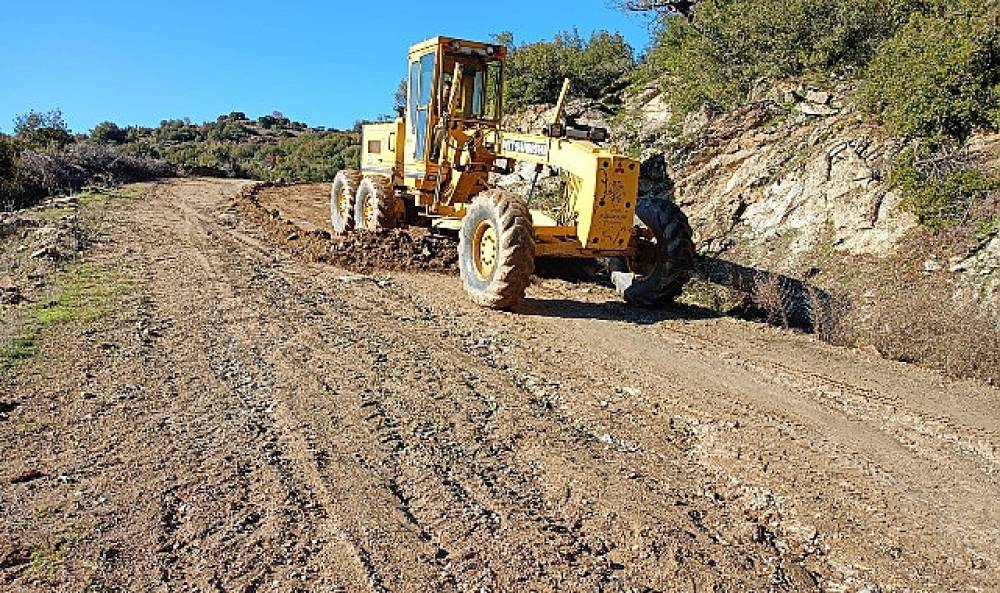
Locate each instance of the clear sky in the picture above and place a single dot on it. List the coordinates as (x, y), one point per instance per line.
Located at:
(324, 63)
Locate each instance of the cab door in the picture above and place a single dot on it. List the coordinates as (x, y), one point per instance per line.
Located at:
(418, 113)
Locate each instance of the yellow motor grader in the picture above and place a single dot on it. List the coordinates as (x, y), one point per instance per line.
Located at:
(434, 164)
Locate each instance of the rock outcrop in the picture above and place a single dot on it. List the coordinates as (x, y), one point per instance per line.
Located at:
(779, 172)
(797, 176)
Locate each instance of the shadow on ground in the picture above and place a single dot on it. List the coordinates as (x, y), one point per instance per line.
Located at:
(760, 296)
(611, 311)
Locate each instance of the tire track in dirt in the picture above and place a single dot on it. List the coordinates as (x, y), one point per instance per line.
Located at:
(871, 460)
(447, 493)
(910, 521)
(232, 369)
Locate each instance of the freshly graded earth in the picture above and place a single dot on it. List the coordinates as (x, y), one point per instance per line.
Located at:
(251, 417)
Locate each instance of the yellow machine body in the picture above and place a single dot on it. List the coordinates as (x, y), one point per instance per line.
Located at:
(602, 189)
(441, 151)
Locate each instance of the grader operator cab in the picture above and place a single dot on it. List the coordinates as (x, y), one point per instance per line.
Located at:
(433, 165)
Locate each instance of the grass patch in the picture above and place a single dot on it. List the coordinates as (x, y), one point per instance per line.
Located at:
(22, 347)
(24, 428)
(53, 214)
(84, 293)
(89, 199)
(48, 556)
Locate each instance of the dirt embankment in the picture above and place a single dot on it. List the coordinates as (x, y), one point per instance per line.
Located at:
(244, 419)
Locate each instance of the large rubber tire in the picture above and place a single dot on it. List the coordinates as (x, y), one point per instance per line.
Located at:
(376, 207)
(342, 200)
(660, 279)
(497, 280)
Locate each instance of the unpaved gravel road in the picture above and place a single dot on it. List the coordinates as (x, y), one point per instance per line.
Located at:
(249, 421)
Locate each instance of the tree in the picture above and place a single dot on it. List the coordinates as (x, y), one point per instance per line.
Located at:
(42, 130)
(108, 133)
(937, 77)
(681, 7)
(535, 71)
(728, 47)
(399, 100)
(601, 63)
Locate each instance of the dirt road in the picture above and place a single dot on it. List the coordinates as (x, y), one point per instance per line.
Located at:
(248, 421)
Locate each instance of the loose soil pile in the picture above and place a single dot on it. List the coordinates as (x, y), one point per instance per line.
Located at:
(297, 216)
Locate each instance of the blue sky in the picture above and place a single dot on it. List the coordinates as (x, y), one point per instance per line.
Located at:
(325, 63)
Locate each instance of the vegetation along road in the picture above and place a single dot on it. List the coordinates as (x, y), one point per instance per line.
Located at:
(232, 416)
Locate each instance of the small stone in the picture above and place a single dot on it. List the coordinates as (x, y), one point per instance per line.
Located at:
(818, 97)
(354, 278)
(11, 295)
(816, 110)
(292, 237)
(932, 265)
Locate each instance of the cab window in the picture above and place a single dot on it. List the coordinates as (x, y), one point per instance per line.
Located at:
(421, 87)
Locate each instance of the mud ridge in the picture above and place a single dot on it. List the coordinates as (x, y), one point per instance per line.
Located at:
(403, 249)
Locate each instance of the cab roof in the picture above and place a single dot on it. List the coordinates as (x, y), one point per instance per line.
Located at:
(438, 41)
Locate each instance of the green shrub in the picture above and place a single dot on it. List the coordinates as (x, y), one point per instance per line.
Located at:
(313, 156)
(228, 131)
(719, 55)
(932, 66)
(938, 187)
(45, 158)
(937, 76)
(42, 130)
(108, 133)
(535, 71)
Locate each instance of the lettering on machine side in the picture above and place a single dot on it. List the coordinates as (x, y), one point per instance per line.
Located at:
(540, 149)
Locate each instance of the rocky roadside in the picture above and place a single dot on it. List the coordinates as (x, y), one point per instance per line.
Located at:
(790, 196)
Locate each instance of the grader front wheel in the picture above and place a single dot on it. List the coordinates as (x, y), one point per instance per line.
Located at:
(496, 250)
(342, 200)
(377, 208)
(664, 261)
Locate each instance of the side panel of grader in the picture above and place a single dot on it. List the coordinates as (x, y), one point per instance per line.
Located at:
(602, 190)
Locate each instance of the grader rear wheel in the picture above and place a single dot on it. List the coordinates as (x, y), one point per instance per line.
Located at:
(496, 250)
(664, 262)
(342, 200)
(377, 208)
